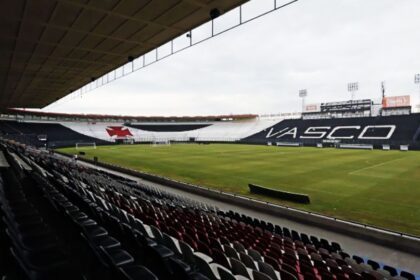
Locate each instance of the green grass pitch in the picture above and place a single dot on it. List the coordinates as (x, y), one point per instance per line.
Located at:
(380, 188)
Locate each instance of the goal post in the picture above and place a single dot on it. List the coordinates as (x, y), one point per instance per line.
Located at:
(86, 145)
(161, 142)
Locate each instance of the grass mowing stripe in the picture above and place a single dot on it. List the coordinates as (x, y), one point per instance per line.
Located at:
(374, 166)
(375, 187)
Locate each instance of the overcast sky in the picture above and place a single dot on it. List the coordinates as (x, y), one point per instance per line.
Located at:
(318, 45)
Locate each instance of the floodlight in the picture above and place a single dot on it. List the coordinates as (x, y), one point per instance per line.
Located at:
(302, 94)
(352, 88)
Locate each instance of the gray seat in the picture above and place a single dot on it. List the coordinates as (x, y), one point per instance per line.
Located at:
(225, 274)
(157, 234)
(140, 227)
(317, 257)
(116, 257)
(398, 278)
(238, 268)
(357, 268)
(260, 276)
(323, 251)
(204, 267)
(331, 263)
(230, 252)
(348, 260)
(239, 247)
(336, 256)
(255, 255)
(247, 260)
(385, 273)
(267, 269)
(187, 253)
(286, 275)
(377, 275)
(170, 243)
(366, 267)
(130, 272)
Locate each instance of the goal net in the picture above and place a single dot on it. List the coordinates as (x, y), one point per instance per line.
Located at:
(86, 145)
(157, 143)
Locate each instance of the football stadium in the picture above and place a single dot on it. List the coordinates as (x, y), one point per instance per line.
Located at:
(331, 192)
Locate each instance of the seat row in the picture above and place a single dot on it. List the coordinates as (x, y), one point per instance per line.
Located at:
(318, 268)
(134, 257)
(33, 243)
(218, 244)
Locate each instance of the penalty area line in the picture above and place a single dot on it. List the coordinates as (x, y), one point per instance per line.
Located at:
(373, 166)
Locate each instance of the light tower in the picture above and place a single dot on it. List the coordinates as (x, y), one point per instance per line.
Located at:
(417, 82)
(352, 88)
(383, 89)
(302, 94)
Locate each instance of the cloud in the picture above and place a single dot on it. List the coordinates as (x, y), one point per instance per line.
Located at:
(260, 67)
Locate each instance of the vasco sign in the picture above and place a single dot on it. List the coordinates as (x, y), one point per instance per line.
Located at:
(381, 132)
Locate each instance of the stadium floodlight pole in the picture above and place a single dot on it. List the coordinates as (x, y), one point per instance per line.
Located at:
(302, 94)
(417, 82)
(383, 89)
(352, 88)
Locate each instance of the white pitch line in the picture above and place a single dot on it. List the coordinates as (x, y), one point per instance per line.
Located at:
(373, 166)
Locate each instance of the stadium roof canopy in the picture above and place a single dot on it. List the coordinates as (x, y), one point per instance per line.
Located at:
(52, 47)
(86, 117)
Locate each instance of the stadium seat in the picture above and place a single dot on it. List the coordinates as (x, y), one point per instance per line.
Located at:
(230, 252)
(369, 276)
(239, 247)
(225, 274)
(407, 275)
(273, 262)
(115, 257)
(284, 275)
(385, 273)
(205, 268)
(132, 230)
(247, 260)
(135, 272)
(187, 253)
(358, 259)
(267, 269)
(180, 270)
(238, 268)
(260, 276)
(391, 270)
(220, 258)
(254, 254)
(170, 243)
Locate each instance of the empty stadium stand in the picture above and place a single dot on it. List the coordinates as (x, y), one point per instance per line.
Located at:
(67, 133)
(56, 135)
(362, 132)
(167, 127)
(391, 130)
(222, 131)
(62, 220)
